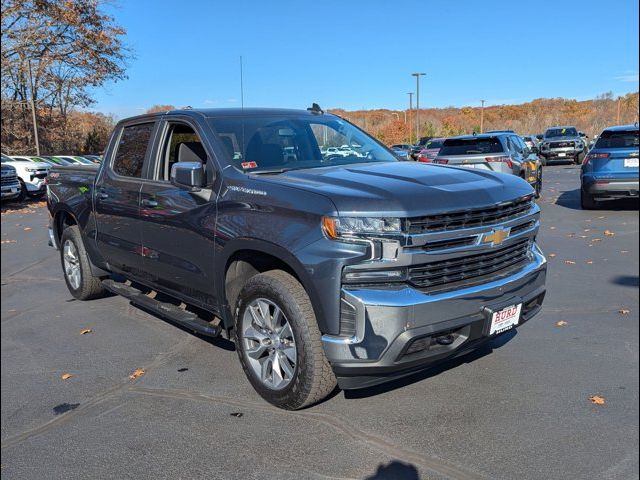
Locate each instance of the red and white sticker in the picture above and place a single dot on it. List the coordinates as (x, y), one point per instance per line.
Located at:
(247, 165)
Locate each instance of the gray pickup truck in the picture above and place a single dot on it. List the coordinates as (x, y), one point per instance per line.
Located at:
(562, 144)
(324, 269)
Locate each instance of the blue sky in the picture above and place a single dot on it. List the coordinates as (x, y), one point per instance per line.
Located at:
(357, 54)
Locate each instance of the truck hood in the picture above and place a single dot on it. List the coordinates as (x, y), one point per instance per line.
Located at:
(561, 139)
(404, 189)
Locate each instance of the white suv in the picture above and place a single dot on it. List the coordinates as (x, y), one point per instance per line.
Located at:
(31, 174)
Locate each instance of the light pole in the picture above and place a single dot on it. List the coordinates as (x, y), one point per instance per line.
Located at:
(482, 117)
(418, 75)
(410, 108)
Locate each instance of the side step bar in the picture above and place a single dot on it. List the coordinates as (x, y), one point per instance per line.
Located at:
(167, 310)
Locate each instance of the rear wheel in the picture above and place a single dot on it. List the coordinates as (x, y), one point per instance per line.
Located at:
(76, 267)
(278, 342)
(587, 201)
(538, 185)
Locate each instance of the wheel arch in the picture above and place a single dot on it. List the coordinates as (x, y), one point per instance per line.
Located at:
(243, 258)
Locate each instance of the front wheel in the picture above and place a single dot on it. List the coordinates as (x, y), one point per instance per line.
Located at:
(278, 342)
(538, 185)
(36, 196)
(75, 265)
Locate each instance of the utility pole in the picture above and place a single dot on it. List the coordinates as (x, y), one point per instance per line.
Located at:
(482, 117)
(418, 75)
(410, 108)
(33, 110)
(618, 114)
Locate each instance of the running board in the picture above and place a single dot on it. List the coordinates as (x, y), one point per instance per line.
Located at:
(166, 310)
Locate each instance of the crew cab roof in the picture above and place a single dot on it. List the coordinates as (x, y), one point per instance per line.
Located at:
(224, 112)
(480, 135)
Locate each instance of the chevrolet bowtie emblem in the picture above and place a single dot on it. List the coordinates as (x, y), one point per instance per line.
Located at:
(496, 236)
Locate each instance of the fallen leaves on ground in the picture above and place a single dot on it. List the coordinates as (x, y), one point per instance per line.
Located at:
(7, 241)
(137, 373)
(552, 255)
(569, 262)
(596, 399)
(594, 240)
(624, 311)
(66, 376)
(589, 262)
(26, 229)
(84, 331)
(561, 323)
(609, 233)
(624, 251)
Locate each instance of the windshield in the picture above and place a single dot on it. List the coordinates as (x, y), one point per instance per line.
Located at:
(459, 146)
(618, 139)
(561, 132)
(259, 143)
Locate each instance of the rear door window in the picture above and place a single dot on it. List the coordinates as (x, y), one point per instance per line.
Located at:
(132, 150)
(471, 146)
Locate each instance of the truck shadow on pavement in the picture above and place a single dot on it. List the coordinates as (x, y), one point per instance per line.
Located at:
(571, 199)
(437, 369)
(395, 470)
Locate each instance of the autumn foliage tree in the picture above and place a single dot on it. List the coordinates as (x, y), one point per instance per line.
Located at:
(54, 52)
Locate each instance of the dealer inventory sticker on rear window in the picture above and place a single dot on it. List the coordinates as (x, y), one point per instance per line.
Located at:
(247, 165)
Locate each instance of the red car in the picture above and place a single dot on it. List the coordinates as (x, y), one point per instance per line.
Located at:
(430, 150)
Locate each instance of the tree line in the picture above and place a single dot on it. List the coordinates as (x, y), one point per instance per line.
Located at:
(54, 54)
(589, 116)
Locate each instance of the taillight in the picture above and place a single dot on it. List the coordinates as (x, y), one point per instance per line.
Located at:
(593, 156)
(424, 159)
(503, 159)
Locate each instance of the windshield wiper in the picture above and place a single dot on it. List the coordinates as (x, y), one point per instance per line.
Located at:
(273, 171)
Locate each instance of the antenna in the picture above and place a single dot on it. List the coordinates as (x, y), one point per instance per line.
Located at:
(241, 86)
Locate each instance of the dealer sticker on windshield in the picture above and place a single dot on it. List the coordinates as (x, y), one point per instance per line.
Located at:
(505, 319)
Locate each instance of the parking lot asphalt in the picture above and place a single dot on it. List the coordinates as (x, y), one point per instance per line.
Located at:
(521, 409)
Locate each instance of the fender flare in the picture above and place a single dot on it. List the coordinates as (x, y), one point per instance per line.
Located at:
(276, 251)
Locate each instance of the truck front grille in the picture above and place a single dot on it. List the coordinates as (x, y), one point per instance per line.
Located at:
(561, 144)
(470, 270)
(9, 179)
(469, 218)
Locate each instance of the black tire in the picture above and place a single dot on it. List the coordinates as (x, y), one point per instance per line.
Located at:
(36, 195)
(577, 160)
(543, 161)
(587, 202)
(23, 191)
(313, 378)
(538, 185)
(89, 286)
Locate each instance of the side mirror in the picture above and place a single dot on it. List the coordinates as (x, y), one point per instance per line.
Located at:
(188, 174)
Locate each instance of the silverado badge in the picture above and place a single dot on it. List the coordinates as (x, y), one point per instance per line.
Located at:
(496, 236)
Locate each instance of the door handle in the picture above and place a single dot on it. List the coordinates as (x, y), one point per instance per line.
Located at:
(102, 195)
(149, 203)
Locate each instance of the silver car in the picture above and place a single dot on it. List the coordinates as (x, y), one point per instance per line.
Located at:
(498, 152)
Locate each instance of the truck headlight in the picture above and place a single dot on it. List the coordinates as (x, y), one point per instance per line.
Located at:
(336, 227)
(29, 169)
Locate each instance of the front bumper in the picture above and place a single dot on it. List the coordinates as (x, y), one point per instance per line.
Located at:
(611, 188)
(36, 185)
(568, 153)
(391, 321)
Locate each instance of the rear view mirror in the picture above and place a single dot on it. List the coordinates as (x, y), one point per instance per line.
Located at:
(187, 174)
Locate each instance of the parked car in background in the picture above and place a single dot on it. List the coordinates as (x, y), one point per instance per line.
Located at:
(497, 152)
(415, 150)
(430, 150)
(344, 271)
(53, 161)
(31, 176)
(610, 169)
(11, 187)
(500, 131)
(531, 141)
(401, 150)
(93, 158)
(562, 144)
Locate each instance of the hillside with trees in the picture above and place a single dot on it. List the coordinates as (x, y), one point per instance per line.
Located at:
(590, 116)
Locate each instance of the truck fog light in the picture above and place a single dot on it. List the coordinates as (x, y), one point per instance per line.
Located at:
(418, 345)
